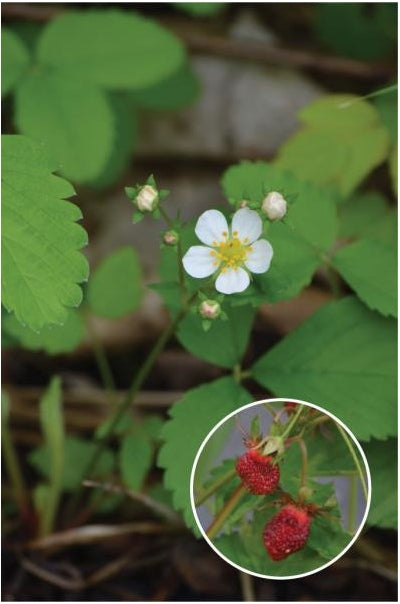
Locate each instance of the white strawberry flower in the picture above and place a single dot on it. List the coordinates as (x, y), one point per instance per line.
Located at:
(233, 252)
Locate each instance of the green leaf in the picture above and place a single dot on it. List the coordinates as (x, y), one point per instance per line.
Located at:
(54, 339)
(225, 343)
(177, 91)
(393, 168)
(343, 358)
(52, 424)
(77, 453)
(361, 213)
(192, 418)
(125, 125)
(342, 141)
(41, 264)
(382, 461)
(386, 105)
(355, 30)
(370, 268)
(15, 60)
(110, 48)
(300, 240)
(201, 9)
(327, 537)
(115, 286)
(71, 117)
(135, 460)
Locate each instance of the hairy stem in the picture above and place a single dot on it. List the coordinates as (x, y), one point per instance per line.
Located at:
(355, 458)
(247, 586)
(304, 461)
(292, 422)
(206, 493)
(225, 512)
(352, 510)
(181, 274)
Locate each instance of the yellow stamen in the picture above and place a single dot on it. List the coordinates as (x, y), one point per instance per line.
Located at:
(232, 253)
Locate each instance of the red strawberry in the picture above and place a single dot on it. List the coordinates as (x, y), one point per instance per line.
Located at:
(287, 532)
(259, 475)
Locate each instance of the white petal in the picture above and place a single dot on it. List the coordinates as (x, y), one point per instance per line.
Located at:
(199, 262)
(211, 226)
(248, 225)
(259, 257)
(232, 281)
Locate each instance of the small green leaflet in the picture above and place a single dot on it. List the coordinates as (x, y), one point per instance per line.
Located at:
(71, 117)
(54, 339)
(111, 48)
(41, 262)
(344, 359)
(135, 459)
(370, 268)
(192, 418)
(382, 461)
(115, 287)
(15, 60)
(343, 139)
(363, 215)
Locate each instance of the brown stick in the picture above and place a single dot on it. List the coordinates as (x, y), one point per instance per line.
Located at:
(234, 49)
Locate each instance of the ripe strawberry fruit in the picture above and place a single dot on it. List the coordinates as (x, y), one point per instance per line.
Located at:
(259, 475)
(287, 532)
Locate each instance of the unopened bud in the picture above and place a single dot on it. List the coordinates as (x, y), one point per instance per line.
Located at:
(305, 493)
(209, 309)
(274, 206)
(171, 238)
(147, 199)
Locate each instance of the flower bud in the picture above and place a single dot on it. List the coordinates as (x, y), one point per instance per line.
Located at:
(305, 493)
(274, 206)
(171, 238)
(209, 309)
(147, 199)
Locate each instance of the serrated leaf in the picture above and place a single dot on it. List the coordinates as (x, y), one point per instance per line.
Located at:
(135, 459)
(111, 48)
(300, 240)
(191, 419)
(41, 264)
(54, 339)
(342, 141)
(370, 268)
(176, 92)
(344, 359)
(360, 214)
(77, 454)
(15, 60)
(225, 342)
(382, 461)
(115, 286)
(327, 537)
(71, 117)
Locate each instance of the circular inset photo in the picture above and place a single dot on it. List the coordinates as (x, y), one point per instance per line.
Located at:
(280, 488)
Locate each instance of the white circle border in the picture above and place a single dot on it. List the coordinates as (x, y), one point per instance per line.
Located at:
(354, 440)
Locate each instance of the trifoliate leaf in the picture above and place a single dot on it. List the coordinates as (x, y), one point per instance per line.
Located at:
(201, 9)
(15, 60)
(110, 48)
(344, 359)
(176, 92)
(71, 117)
(115, 289)
(370, 268)
(77, 454)
(192, 418)
(342, 141)
(54, 339)
(135, 460)
(41, 264)
(382, 461)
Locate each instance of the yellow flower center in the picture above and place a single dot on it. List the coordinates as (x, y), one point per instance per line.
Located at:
(231, 253)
